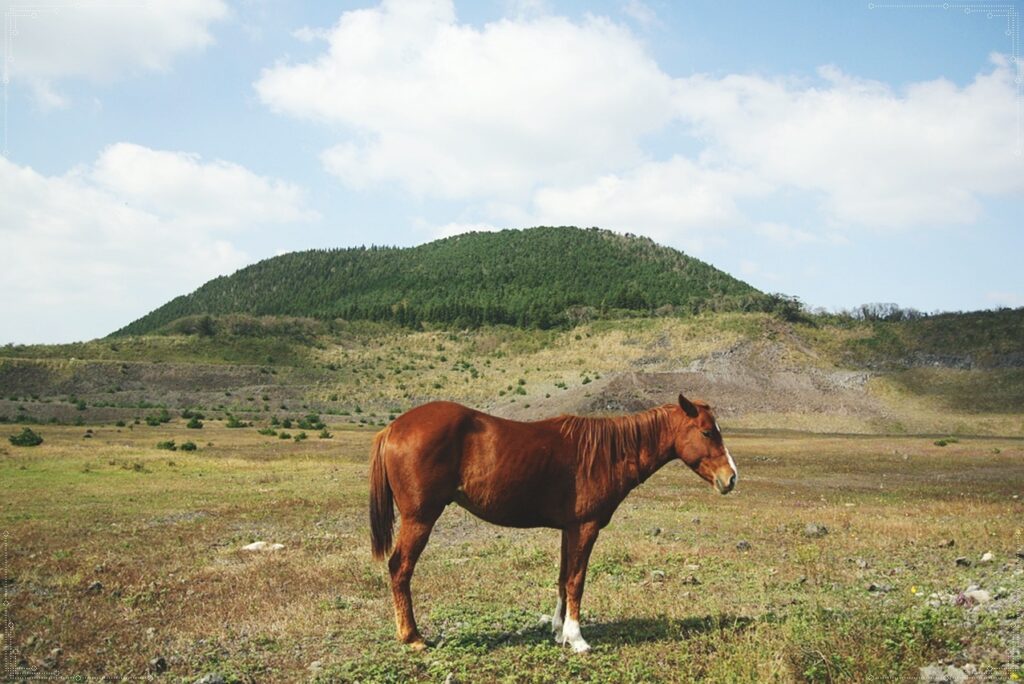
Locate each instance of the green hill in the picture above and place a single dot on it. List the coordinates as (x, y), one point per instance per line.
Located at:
(540, 277)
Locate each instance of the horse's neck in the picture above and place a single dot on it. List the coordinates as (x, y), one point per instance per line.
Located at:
(634, 471)
(650, 463)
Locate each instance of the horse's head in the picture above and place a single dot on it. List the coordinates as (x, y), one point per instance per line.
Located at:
(698, 443)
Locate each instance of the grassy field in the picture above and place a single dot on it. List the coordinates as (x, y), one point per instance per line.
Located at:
(117, 555)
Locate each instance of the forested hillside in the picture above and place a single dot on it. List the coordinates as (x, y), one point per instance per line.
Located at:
(540, 277)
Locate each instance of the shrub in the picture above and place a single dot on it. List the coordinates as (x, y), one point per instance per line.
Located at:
(119, 423)
(233, 422)
(169, 445)
(195, 423)
(324, 434)
(286, 423)
(268, 431)
(27, 438)
(311, 422)
(301, 436)
(188, 446)
(284, 435)
(157, 419)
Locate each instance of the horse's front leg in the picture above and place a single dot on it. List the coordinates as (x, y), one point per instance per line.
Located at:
(580, 543)
(563, 572)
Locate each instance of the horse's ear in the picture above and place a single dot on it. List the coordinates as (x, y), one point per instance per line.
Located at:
(688, 406)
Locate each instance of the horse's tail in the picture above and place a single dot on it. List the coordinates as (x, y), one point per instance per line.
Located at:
(382, 509)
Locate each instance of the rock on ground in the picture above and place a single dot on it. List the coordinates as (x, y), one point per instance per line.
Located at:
(815, 530)
(938, 674)
(212, 678)
(262, 546)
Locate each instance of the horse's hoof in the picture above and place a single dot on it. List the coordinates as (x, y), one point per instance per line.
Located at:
(581, 647)
(419, 645)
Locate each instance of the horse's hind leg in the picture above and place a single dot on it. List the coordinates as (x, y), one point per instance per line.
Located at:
(412, 537)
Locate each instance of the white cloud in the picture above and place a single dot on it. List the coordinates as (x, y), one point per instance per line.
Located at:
(102, 41)
(446, 109)
(675, 201)
(182, 188)
(88, 251)
(877, 157)
(539, 119)
(641, 13)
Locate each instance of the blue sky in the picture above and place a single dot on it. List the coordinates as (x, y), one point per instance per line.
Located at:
(841, 152)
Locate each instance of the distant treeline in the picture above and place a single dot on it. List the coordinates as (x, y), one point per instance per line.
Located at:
(537, 278)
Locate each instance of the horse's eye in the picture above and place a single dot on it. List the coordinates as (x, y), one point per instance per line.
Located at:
(706, 433)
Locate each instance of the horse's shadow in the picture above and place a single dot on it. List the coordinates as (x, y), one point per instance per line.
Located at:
(662, 628)
(614, 632)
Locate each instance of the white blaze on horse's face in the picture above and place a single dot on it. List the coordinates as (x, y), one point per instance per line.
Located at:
(732, 463)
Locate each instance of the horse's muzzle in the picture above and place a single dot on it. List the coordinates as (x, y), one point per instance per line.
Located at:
(725, 486)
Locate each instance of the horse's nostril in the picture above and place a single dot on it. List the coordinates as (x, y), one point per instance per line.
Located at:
(732, 481)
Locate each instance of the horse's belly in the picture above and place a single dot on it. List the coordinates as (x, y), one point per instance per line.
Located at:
(505, 513)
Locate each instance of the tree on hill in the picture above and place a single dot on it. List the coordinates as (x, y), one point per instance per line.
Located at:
(529, 278)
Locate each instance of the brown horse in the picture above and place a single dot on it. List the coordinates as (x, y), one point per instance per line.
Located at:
(569, 473)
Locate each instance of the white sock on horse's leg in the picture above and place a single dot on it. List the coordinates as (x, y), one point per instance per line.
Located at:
(571, 635)
(556, 619)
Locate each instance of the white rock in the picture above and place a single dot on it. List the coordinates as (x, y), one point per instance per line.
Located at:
(987, 557)
(978, 596)
(937, 674)
(262, 546)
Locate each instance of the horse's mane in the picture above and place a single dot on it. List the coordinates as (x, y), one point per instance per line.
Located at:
(602, 442)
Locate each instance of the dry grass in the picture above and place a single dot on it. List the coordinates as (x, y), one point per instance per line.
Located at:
(161, 531)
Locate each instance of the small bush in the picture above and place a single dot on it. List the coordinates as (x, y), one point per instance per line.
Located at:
(324, 434)
(27, 438)
(301, 436)
(233, 422)
(268, 431)
(311, 422)
(195, 423)
(284, 435)
(188, 446)
(119, 423)
(286, 423)
(169, 445)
